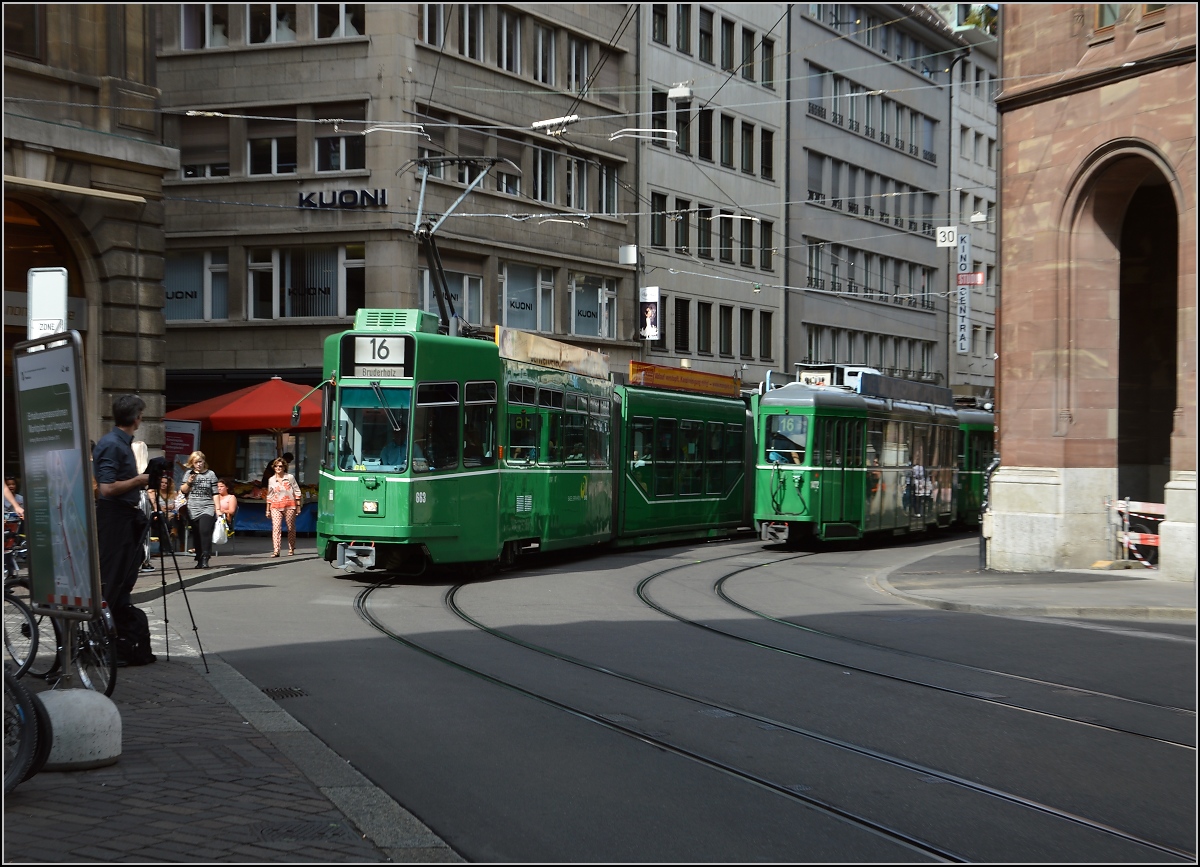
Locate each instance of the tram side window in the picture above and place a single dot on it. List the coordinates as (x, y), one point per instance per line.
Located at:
(854, 444)
(874, 453)
(479, 425)
(575, 431)
(524, 434)
(598, 440)
(435, 427)
(550, 401)
(786, 439)
(329, 429)
(735, 455)
(691, 453)
(641, 441)
(895, 446)
(714, 458)
(664, 458)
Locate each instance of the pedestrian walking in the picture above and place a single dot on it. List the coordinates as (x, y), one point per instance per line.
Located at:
(200, 486)
(283, 501)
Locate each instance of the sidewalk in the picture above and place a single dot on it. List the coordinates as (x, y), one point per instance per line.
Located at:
(211, 769)
(953, 581)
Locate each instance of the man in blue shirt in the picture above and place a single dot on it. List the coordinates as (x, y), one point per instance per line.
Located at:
(120, 522)
(395, 453)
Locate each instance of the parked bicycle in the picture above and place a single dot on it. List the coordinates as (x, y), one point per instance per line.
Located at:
(20, 731)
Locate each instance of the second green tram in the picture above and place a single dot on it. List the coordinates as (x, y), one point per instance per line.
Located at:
(443, 449)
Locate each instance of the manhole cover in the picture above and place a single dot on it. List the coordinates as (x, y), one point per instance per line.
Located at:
(284, 691)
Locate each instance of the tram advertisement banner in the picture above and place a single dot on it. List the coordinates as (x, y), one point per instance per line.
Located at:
(59, 515)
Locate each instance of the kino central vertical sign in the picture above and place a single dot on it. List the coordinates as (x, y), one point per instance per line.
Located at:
(962, 337)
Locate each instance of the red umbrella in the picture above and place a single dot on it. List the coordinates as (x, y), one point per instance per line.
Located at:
(266, 406)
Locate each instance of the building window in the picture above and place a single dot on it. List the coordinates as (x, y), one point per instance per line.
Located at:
(727, 141)
(527, 297)
(341, 153)
(748, 148)
(683, 27)
(725, 331)
(340, 20)
(704, 232)
(196, 286)
(683, 126)
(683, 325)
(470, 31)
(204, 25)
(270, 151)
(204, 146)
(659, 28)
(543, 175)
(658, 117)
(767, 158)
(764, 334)
(704, 120)
(508, 179)
(746, 333)
(726, 44)
(577, 184)
(766, 245)
(768, 63)
(747, 241)
(544, 58)
(608, 189)
(683, 225)
(271, 22)
(466, 294)
(660, 343)
(816, 279)
(658, 220)
(704, 327)
(747, 54)
(725, 236)
(431, 23)
(579, 66)
(1107, 15)
(508, 41)
(706, 35)
(301, 282)
(593, 305)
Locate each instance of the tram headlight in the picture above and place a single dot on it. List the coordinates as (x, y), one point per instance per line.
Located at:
(371, 507)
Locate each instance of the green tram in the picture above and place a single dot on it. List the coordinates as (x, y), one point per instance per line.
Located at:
(832, 463)
(976, 448)
(444, 449)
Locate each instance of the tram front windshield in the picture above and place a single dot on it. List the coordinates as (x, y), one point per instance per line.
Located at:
(373, 426)
(787, 439)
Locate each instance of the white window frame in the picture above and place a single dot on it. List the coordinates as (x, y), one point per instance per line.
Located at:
(472, 287)
(543, 175)
(206, 34)
(344, 263)
(274, 157)
(544, 309)
(544, 58)
(433, 24)
(273, 39)
(341, 154)
(577, 70)
(608, 307)
(577, 184)
(344, 21)
(470, 30)
(436, 170)
(209, 269)
(508, 41)
(608, 189)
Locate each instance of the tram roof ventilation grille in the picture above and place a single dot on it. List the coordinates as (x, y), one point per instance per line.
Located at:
(398, 320)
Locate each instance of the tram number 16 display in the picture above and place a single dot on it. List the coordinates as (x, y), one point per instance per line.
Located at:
(379, 357)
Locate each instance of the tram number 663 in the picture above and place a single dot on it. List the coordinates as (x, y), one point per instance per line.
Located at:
(418, 496)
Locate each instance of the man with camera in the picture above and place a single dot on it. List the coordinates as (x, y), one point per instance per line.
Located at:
(121, 524)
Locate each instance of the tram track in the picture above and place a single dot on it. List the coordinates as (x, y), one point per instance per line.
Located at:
(919, 771)
(975, 695)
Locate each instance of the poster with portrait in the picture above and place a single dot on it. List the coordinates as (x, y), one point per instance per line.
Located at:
(649, 311)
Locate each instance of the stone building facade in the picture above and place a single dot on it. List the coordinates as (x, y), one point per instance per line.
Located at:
(84, 161)
(300, 128)
(1097, 377)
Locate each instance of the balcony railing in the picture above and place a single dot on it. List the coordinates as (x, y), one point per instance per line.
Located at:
(869, 131)
(815, 282)
(899, 143)
(929, 156)
(837, 203)
(898, 221)
(913, 150)
(838, 118)
(852, 207)
(868, 211)
(816, 110)
(927, 229)
(836, 286)
(853, 126)
(884, 216)
(885, 138)
(912, 225)
(816, 196)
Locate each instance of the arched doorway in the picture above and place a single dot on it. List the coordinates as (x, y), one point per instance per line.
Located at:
(1146, 400)
(32, 240)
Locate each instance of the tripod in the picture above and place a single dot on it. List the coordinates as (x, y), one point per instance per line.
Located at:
(158, 521)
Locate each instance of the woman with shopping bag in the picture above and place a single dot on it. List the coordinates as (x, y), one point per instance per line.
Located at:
(283, 502)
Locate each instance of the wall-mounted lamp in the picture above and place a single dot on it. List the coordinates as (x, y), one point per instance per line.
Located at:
(978, 217)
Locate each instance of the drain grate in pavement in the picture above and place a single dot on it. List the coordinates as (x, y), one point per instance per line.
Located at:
(284, 691)
(305, 831)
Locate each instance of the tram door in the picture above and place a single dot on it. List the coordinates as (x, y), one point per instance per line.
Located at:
(833, 473)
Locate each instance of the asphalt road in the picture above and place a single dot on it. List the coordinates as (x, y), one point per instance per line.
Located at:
(663, 705)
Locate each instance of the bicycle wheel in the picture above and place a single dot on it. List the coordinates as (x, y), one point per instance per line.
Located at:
(20, 731)
(95, 657)
(45, 659)
(20, 634)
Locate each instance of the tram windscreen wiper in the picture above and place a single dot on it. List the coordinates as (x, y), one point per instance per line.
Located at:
(383, 403)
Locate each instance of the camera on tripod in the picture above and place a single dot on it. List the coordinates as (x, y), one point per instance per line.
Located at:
(155, 469)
